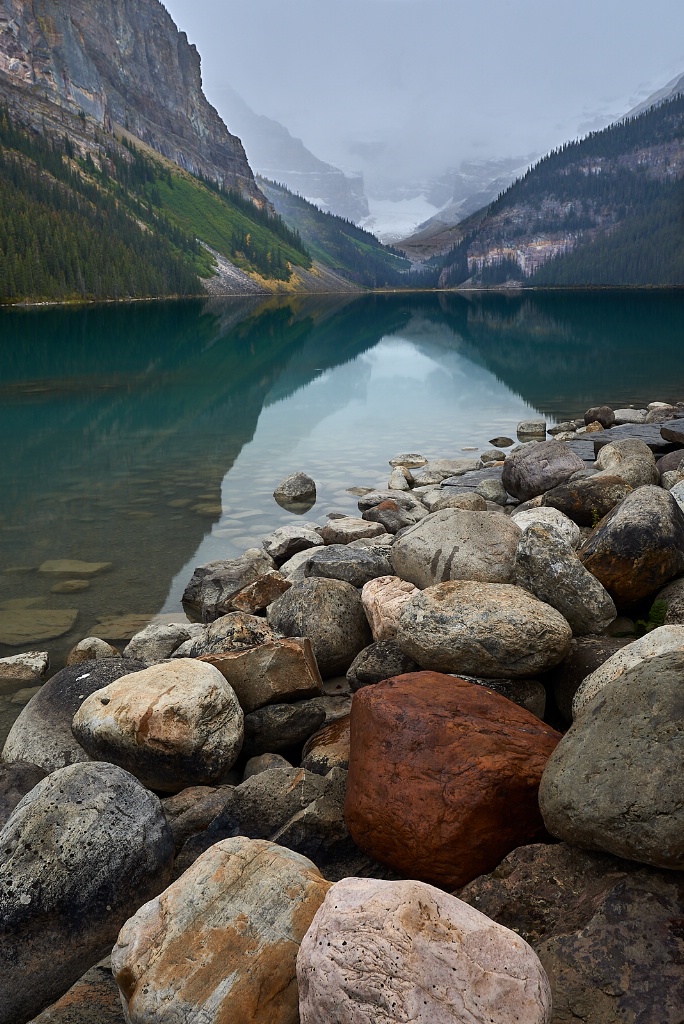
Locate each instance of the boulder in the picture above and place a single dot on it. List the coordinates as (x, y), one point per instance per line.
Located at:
(234, 632)
(470, 502)
(493, 491)
(328, 748)
(405, 951)
(586, 654)
(93, 999)
(352, 565)
(409, 502)
(16, 780)
(347, 529)
(318, 831)
(293, 569)
(527, 693)
(411, 460)
(222, 941)
(264, 763)
(436, 766)
(281, 726)
(630, 416)
(602, 928)
(482, 629)
(273, 673)
(381, 660)
(631, 460)
(672, 597)
(257, 596)
(547, 566)
(537, 468)
(23, 670)
(400, 479)
(383, 600)
(42, 733)
(78, 855)
(501, 442)
(296, 489)
(392, 517)
(587, 500)
(670, 462)
(614, 783)
(91, 649)
(158, 641)
(208, 594)
(195, 819)
(330, 614)
(259, 808)
(493, 455)
(287, 541)
(441, 469)
(531, 428)
(553, 520)
(638, 547)
(457, 545)
(173, 725)
(602, 414)
(665, 640)
(673, 431)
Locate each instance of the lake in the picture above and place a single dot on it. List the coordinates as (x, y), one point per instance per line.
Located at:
(151, 436)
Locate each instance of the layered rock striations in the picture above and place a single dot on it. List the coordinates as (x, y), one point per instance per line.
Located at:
(124, 64)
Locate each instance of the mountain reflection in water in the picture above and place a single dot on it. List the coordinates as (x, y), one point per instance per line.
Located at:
(152, 435)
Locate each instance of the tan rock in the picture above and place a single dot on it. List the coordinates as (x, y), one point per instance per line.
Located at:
(270, 674)
(20, 627)
(91, 649)
(221, 943)
(70, 586)
(328, 748)
(172, 725)
(21, 670)
(383, 600)
(381, 952)
(258, 595)
(73, 567)
(342, 531)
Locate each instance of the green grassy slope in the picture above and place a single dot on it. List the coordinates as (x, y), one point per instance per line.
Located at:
(122, 225)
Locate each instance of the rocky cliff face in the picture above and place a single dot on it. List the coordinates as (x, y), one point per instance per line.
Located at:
(123, 63)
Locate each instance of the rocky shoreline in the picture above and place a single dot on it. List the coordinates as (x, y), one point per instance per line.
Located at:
(421, 765)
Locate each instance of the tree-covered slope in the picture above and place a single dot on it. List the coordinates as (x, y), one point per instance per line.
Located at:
(118, 223)
(604, 211)
(343, 247)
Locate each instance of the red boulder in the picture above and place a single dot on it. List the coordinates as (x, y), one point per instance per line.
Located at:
(443, 776)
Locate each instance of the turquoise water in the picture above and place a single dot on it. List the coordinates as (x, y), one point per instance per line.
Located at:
(151, 436)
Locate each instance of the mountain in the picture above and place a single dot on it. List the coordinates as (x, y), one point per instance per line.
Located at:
(118, 179)
(668, 92)
(120, 63)
(603, 211)
(418, 213)
(341, 246)
(275, 154)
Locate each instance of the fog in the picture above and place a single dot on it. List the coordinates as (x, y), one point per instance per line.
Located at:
(403, 89)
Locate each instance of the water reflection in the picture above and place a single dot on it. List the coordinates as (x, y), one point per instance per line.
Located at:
(152, 436)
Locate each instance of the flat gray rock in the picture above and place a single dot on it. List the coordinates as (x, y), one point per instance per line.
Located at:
(356, 566)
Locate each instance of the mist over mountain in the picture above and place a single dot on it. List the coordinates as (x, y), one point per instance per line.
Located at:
(275, 154)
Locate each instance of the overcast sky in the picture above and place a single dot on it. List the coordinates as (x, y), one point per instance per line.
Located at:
(405, 88)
